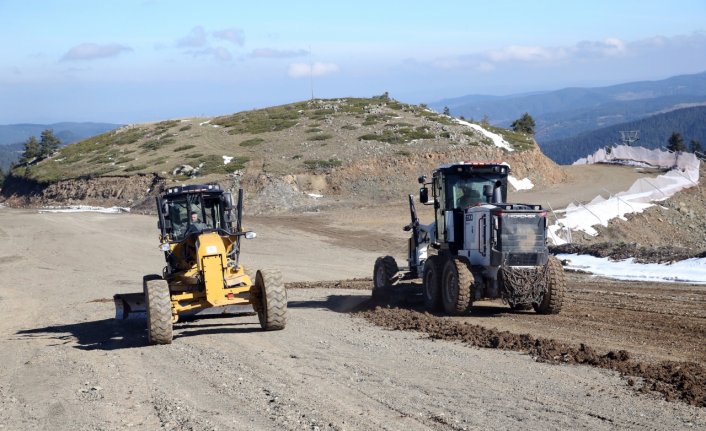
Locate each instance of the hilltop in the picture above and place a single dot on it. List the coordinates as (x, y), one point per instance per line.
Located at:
(285, 157)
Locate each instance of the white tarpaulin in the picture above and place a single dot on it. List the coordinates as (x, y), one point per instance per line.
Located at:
(683, 173)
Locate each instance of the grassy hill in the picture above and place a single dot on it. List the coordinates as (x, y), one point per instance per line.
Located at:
(353, 151)
(300, 137)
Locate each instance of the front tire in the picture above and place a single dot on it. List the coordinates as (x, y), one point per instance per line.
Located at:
(432, 282)
(270, 300)
(556, 286)
(159, 310)
(456, 287)
(383, 276)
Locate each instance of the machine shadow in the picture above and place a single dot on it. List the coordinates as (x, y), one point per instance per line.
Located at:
(404, 296)
(111, 334)
(106, 334)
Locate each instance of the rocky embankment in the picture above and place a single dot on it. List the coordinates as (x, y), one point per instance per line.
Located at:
(373, 180)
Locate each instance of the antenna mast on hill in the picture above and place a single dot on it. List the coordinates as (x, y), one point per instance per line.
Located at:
(628, 137)
(311, 74)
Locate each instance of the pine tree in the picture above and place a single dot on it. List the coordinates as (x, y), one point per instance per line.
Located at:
(524, 124)
(695, 146)
(676, 143)
(447, 111)
(48, 143)
(31, 151)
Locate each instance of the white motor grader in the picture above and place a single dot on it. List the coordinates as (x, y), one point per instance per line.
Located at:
(478, 246)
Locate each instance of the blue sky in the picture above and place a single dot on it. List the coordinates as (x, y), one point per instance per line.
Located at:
(133, 61)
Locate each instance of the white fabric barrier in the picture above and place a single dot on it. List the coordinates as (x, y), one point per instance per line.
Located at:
(683, 173)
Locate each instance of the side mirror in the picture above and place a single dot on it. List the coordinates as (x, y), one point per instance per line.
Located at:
(227, 201)
(424, 195)
(250, 235)
(422, 179)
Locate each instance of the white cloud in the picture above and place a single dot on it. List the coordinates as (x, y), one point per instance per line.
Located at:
(526, 53)
(195, 39)
(301, 70)
(92, 51)
(277, 53)
(219, 53)
(485, 66)
(233, 35)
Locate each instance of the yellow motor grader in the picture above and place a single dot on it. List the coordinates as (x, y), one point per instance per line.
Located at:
(200, 237)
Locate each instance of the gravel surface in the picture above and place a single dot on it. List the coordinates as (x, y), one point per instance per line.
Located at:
(68, 365)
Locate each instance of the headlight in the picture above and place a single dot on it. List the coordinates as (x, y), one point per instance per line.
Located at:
(164, 246)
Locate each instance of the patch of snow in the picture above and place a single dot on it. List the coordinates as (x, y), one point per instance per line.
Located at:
(227, 159)
(523, 184)
(204, 123)
(315, 195)
(215, 125)
(685, 271)
(498, 140)
(84, 208)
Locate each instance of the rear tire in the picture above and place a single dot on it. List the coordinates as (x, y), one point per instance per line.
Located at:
(432, 282)
(456, 287)
(556, 286)
(271, 300)
(159, 310)
(383, 276)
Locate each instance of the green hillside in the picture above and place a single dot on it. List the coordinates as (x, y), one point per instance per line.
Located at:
(299, 137)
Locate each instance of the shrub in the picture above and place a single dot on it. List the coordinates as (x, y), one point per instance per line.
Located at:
(322, 164)
(252, 142)
(321, 137)
(184, 147)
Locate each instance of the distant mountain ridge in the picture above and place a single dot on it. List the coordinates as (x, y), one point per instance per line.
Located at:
(570, 111)
(654, 133)
(68, 132)
(13, 136)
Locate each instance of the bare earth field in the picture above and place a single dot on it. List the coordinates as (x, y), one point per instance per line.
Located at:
(338, 365)
(68, 365)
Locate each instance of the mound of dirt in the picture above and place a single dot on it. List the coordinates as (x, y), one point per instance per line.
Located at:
(626, 327)
(677, 381)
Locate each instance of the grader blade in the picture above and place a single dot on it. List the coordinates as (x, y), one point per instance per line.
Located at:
(130, 306)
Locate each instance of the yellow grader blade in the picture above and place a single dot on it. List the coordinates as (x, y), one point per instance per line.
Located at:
(132, 306)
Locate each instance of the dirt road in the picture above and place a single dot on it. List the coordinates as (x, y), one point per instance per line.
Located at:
(68, 365)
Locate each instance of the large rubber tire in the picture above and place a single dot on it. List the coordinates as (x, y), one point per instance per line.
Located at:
(159, 310)
(272, 297)
(431, 280)
(456, 286)
(556, 286)
(383, 276)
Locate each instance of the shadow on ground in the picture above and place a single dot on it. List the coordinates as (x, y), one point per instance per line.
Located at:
(111, 334)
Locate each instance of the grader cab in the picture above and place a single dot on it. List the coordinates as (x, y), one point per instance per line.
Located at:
(200, 235)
